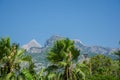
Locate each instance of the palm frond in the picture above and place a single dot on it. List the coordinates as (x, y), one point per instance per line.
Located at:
(10, 76)
(27, 74)
(52, 76)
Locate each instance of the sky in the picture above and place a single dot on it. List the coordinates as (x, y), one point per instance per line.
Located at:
(94, 22)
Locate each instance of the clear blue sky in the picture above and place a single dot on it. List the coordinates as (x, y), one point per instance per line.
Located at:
(94, 22)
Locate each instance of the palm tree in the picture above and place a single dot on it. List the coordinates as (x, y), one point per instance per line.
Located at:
(4, 47)
(12, 58)
(17, 58)
(62, 57)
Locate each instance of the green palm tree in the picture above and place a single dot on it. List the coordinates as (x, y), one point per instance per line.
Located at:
(62, 57)
(4, 47)
(17, 58)
(12, 58)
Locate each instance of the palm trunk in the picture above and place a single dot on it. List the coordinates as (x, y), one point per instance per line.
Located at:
(66, 73)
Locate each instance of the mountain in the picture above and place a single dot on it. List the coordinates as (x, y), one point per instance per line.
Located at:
(41, 52)
(52, 39)
(84, 48)
(94, 49)
(33, 47)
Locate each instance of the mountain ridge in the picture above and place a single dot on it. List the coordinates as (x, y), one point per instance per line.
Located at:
(78, 43)
(39, 54)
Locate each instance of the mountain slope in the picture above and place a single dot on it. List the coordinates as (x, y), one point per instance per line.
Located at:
(41, 52)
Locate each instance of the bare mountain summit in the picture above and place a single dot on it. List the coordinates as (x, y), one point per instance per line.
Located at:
(33, 46)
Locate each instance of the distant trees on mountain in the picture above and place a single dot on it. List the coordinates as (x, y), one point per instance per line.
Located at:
(15, 64)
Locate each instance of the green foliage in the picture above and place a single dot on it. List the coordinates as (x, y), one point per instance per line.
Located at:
(63, 64)
(102, 68)
(11, 60)
(118, 59)
(27, 74)
(118, 55)
(103, 77)
(62, 51)
(4, 47)
(62, 56)
(101, 64)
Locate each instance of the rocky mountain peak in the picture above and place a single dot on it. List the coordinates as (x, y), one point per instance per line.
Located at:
(32, 43)
(78, 41)
(52, 39)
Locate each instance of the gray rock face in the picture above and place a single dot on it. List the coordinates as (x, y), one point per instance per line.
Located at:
(94, 49)
(41, 52)
(52, 39)
(33, 47)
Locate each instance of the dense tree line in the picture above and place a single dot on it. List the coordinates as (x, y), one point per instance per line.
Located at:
(63, 64)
